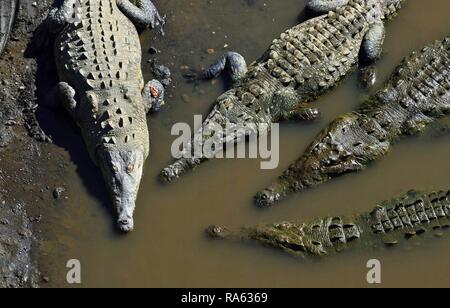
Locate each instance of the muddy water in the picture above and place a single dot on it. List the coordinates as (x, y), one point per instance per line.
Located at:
(169, 249)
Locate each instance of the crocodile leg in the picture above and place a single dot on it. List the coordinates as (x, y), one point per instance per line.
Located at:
(233, 62)
(144, 14)
(61, 95)
(371, 50)
(60, 16)
(291, 110)
(303, 113)
(57, 18)
(373, 42)
(324, 6)
(153, 95)
(67, 96)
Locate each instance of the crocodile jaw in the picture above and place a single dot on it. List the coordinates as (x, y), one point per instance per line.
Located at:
(122, 171)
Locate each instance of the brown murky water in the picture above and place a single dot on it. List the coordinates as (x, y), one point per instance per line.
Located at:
(169, 249)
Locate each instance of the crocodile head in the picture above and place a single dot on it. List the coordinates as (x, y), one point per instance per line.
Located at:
(122, 172)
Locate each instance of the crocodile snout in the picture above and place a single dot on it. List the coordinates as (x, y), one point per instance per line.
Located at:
(217, 232)
(126, 224)
(122, 172)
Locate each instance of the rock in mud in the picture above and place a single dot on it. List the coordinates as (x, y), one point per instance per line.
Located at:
(58, 192)
(20, 161)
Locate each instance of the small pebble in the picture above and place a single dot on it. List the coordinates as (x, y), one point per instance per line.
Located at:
(186, 98)
(57, 193)
(153, 50)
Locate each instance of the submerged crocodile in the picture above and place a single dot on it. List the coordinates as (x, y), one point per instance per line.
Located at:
(416, 214)
(98, 56)
(417, 94)
(302, 64)
(8, 13)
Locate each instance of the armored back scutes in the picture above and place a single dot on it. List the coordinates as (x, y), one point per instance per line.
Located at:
(315, 55)
(412, 214)
(99, 54)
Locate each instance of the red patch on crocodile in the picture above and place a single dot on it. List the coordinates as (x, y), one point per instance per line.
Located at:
(154, 91)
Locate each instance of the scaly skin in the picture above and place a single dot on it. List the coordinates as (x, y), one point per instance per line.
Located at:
(416, 214)
(8, 13)
(303, 63)
(98, 56)
(417, 94)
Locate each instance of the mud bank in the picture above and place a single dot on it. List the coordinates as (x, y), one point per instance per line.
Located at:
(22, 162)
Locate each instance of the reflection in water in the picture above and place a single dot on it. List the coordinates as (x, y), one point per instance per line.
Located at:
(169, 248)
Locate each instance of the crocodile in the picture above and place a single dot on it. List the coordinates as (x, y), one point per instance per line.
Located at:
(417, 94)
(305, 62)
(98, 58)
(413, 215)
(8, 13)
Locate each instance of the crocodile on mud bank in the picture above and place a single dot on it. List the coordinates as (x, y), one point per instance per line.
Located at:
(98, 57)
(417, 95)
(8, 13)
(413, 215)
(303, 63)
